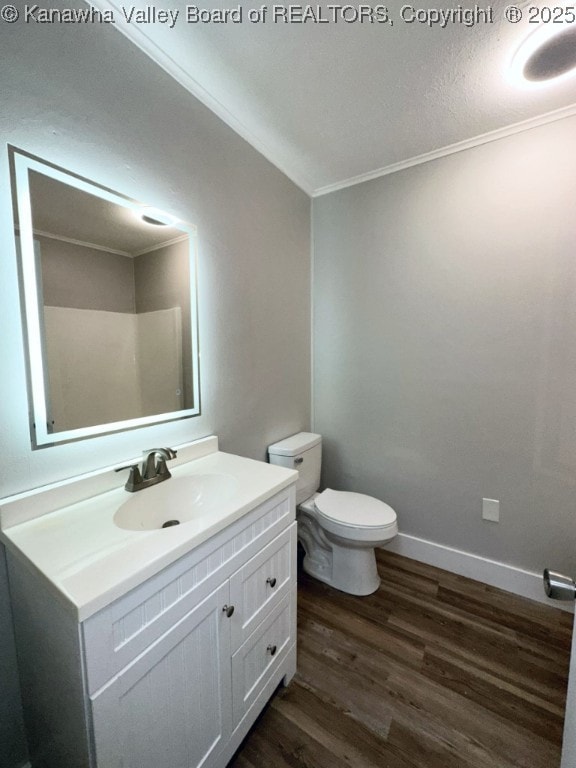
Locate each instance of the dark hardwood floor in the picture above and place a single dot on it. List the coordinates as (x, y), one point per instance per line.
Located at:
(432, 671)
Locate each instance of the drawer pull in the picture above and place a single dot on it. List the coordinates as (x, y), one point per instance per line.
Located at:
(272, 581)
(271, 649)
(228, 610)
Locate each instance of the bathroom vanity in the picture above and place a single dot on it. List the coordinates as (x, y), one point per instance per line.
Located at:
(151, 647)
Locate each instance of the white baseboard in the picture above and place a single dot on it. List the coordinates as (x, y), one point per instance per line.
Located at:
(501, 575)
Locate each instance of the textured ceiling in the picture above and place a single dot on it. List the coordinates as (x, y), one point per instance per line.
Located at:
(332, 103)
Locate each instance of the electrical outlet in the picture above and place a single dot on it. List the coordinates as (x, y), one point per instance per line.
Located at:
(491, 510)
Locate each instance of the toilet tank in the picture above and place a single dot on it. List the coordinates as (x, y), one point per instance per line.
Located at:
(304, 453)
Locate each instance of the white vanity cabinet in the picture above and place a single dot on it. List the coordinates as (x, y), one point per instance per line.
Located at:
(173, 673)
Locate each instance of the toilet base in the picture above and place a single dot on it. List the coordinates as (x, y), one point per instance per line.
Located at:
(351, 570)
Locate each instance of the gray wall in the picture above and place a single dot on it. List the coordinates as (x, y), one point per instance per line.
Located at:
(75, 275)
(445, 345)
(85, 99)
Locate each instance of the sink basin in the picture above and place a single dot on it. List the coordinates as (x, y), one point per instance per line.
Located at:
(175, 501)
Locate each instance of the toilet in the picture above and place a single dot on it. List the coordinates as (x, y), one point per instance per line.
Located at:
(338, 529)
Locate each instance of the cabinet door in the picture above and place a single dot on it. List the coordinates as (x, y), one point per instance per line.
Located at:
(171, 708)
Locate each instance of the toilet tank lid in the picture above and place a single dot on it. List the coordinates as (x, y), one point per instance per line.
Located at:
(292, 446)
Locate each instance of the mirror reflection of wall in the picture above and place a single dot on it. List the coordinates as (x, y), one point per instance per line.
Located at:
(116, 311)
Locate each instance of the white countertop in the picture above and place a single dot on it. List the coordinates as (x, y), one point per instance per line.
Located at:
(90, 562)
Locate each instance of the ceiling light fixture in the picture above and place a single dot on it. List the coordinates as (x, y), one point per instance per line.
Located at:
(156, 217)
(546, 56)
(150, 220)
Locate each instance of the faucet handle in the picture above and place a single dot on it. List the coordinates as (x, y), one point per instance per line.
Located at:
(134, 478)
(162, 469)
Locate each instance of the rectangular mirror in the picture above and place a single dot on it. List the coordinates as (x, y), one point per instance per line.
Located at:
(110, 305)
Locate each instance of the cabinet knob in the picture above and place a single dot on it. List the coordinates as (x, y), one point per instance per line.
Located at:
(271, 650)
(272, 581)
(228, 610)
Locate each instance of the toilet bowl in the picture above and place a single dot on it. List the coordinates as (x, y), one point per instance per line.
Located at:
(337, 529)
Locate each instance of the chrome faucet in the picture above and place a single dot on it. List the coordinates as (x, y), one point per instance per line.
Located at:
(153, 470)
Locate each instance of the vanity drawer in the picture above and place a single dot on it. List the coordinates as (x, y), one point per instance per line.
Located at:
(120, 632)
(261, 584)
(261, 654)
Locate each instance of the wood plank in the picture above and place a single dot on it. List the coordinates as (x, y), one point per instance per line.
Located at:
(345, 737)
(287, 743)
(489, 738)
(552, 630)
(363, 699)
(392, 642)
(496, 695)
(481, 749)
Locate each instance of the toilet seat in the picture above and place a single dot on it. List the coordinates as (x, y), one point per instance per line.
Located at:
(360, 516)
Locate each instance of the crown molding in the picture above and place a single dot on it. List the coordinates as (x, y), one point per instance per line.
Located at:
(451, 149)
(165, 244)
(105, 248)
(83, 243)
